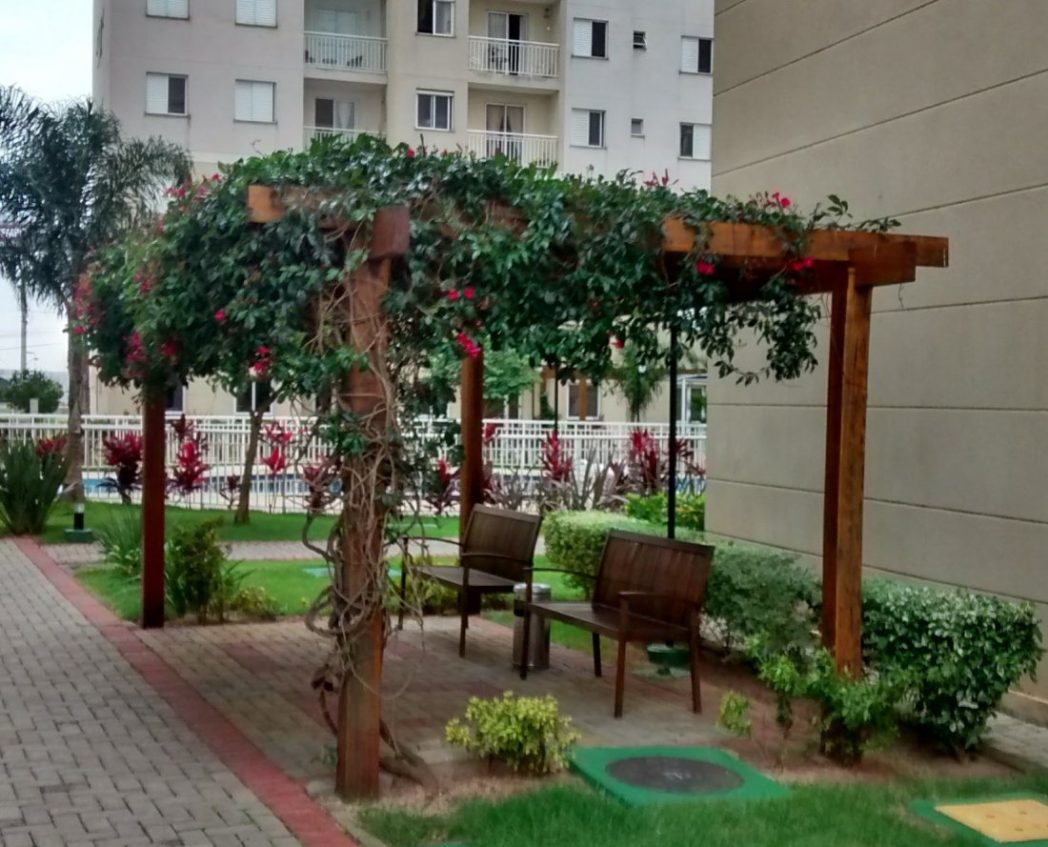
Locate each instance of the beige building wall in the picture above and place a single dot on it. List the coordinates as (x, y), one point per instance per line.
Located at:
(934, 113)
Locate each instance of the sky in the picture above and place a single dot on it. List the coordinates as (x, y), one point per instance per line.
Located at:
(45, 49)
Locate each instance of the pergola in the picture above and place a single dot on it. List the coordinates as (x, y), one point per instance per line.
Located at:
(848, 265)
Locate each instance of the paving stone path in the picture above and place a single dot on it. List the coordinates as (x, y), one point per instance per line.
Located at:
(102, 744)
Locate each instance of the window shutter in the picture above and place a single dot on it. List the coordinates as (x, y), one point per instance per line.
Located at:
(705, 55)
(580, 127)
(443, 113)
(701, 142)
(243, 106)
(168, 8)
(245, 11)
(345, 114)
(262, 101)
(156, 93)
(443, 23)
(266, 12)
(689, 55)
(583, 37)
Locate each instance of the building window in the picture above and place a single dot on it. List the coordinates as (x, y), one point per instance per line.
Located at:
(694, 141)
(696, 55)
(436, 17)
(257, 12)
(254, 101)
(592, 401)
(637, 127)
(590, 38)
(433, 110)
(640, 40)
(175, 399)
(167, 8)
(254, 397)
(165, 94)
(334, 114)
(587, 128)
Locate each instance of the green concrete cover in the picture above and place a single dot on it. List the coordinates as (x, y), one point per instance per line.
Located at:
(592, 764)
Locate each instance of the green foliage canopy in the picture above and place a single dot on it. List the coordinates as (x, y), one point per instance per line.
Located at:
(25, 386)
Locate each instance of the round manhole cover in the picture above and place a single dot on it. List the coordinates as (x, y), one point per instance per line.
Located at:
(674, 774)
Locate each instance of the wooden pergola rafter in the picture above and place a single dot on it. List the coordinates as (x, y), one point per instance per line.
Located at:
(848, 265)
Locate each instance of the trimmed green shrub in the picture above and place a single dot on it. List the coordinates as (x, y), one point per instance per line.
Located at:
(963, 650)
(527, 733)
(654, 508)
(30, 479)
(197, 575)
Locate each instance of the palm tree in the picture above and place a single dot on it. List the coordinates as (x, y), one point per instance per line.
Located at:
(69, 183)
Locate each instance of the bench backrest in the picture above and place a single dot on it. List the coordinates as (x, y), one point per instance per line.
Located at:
(505, 532)
(673, 569)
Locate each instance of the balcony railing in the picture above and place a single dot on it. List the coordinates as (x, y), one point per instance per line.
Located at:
(330, 51)
(311, 132)
(514, 58)
(520, 147)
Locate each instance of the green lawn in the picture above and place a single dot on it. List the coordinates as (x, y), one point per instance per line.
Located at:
(263, 527)
(809, 816)
(291, 585)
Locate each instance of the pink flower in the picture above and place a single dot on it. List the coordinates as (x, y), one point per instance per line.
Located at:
(453, 295)
(617, 343)
(169, 349)
(78, 330)
(809, 263)
(410, 153)
(468, 292)
(704, 268)
(785, 202)
(220, 315)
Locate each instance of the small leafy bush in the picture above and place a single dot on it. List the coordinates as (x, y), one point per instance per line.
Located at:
(527, 733)
(196, 573)
(964, 651)
(734, 714)
(30, 480)
(121, 540)
(253, 601)
(654, 508)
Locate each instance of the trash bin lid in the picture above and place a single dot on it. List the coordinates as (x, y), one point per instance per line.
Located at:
(539, 590)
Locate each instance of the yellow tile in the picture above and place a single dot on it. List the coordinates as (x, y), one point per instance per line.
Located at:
(1006, 821)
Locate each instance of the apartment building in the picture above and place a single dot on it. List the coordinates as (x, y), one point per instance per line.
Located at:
(933, 113)
(593, 86)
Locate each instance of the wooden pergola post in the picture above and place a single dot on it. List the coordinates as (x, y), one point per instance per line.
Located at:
(153, 496)
(471, 475)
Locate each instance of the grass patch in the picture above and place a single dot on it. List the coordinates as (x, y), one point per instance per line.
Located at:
(813, 816)
(290, 584)
(263, 527)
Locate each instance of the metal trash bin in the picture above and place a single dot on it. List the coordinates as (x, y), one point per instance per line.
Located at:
(538, 649)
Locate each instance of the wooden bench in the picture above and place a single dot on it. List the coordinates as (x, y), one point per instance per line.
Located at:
(647, 589)
(495, 555)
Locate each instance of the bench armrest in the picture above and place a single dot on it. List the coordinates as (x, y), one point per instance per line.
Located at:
(626, 596)
(475, 554)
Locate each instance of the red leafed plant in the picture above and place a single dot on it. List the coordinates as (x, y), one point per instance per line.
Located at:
(123, 453)
(277, 434)
(491, 432)
(646, 462)
(190, 470)
(46, 447)
(275, 460)
(182, 428)
(319, 478)
(557, 465)
(441, 487)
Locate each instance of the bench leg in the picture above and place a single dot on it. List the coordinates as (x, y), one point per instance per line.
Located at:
(620, 678)
(403, 592)
(596, 655)
(524, 657)
(464, 608)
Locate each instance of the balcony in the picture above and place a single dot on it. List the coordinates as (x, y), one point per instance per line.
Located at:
(309, 133)
(514, 59)
(331, 51)
(516, 146)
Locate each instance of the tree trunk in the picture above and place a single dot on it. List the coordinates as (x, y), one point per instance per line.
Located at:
(78, 399)
(243, 514)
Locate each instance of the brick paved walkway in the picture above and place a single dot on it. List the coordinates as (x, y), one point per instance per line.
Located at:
(102, 744)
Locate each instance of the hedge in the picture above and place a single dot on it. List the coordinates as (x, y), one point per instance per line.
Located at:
(963, 650)
(690, 511)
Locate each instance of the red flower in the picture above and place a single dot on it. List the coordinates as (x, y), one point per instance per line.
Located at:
(169, 349)
(617, 343)
(468, 292)
(809, 263)
(785, 202)
(468, 345)
(410, 153)
(220, 315)
(704, 268)
(78, 330)
(453, 295)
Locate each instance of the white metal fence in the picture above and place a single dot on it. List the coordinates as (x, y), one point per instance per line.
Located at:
(336, 52)
(508, 57)
(516, 446)
(311, 132)
(518, 146)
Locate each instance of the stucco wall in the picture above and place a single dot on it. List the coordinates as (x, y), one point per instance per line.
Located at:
(931, 112)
